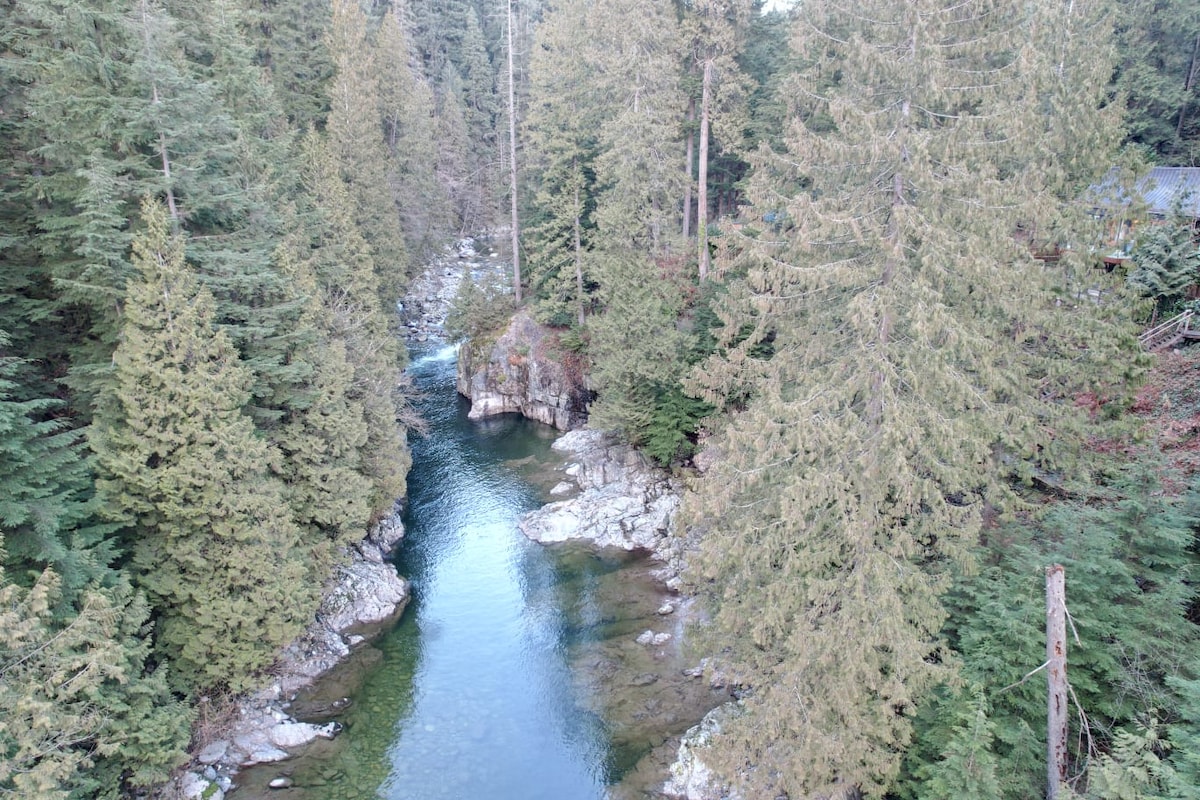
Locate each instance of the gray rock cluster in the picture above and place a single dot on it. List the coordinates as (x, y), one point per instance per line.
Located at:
(624, 500)
(431, 294)
(523, 373)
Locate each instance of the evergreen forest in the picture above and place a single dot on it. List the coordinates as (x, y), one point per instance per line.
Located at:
(801, 242)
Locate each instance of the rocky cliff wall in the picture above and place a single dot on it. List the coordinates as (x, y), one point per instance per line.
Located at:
(523, 372)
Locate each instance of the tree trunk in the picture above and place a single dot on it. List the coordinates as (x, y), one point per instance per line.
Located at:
(691, 154)
(512, 163)
(1056, 679)
(578, 257)
(702, 178)
(1188, 84)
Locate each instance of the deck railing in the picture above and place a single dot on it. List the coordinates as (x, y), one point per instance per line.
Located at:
(1167, 333)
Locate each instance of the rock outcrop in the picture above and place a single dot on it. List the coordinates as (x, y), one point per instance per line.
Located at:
(624, 500)
(523, 372)
(364, 594)
(691, 778)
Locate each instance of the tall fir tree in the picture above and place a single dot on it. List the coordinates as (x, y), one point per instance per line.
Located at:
(410, 132)
(884, 366)
(1159, 73)
(181, 467)
(355, 135)
(347, 279)
(79, 716)
(561, 147)
(323, 437)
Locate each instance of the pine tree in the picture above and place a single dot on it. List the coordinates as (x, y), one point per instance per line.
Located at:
(291, 41)
(181, 467)
(717, 36)
(880, 360)
(47, 509)
(323, 437)
(1166, 263)
(1126, 552)
(1159, 72)
(78, 715)
(78, 718)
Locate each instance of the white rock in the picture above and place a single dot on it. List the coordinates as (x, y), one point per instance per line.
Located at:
(665, 609)
(626, 502)
(646, 637)
(661, 638)
(192, 786)
(213, 752)
(691, 778)
(282, 782)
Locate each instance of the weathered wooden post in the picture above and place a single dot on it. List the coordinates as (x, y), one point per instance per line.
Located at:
(1056, 679)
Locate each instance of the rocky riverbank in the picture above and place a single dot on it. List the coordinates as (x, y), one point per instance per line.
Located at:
(363, 597)
(618, 498)
(431, 294)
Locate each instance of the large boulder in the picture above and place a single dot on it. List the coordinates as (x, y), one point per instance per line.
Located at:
(691, 778)
(624, 500)
(523, 372)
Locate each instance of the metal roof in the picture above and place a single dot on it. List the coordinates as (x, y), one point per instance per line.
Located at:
(1163, 190)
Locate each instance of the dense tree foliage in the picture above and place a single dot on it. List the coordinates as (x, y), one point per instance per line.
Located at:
(200, 405)
(890, 360)
(794, 226)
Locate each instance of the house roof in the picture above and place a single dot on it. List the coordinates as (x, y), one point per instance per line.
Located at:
(1160, 190)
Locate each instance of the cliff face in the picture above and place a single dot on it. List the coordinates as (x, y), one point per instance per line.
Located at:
(523, 372)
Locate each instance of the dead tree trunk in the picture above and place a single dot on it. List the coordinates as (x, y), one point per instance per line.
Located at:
(702, 178)
(1056, 679)
(512, 163)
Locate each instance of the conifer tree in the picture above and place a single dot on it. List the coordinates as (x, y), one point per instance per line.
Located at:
(716, 29)
(1127, 551)
(78, 714)
(291, 41)
(78, 717)
(355, 135)
(323, 437)
(181, 467)
(880, 361)
(410, 132)
(637, 347)
(346, 276)
(1159, 72)
(565, 113)
(47, 507)
(1166, 263)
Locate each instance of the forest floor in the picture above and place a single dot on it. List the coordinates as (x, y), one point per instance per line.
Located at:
(1169, 402)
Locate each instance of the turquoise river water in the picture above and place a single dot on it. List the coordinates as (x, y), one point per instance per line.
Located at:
(512, 674)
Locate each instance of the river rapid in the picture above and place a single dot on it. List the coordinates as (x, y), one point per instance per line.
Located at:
(513, 674)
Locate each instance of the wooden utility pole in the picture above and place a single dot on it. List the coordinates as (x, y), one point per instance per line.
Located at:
(1056, 679)
(512, 161)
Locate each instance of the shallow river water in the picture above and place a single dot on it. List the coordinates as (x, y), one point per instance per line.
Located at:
(512, 674)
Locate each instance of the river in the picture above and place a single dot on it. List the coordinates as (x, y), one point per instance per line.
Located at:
(512, 674)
